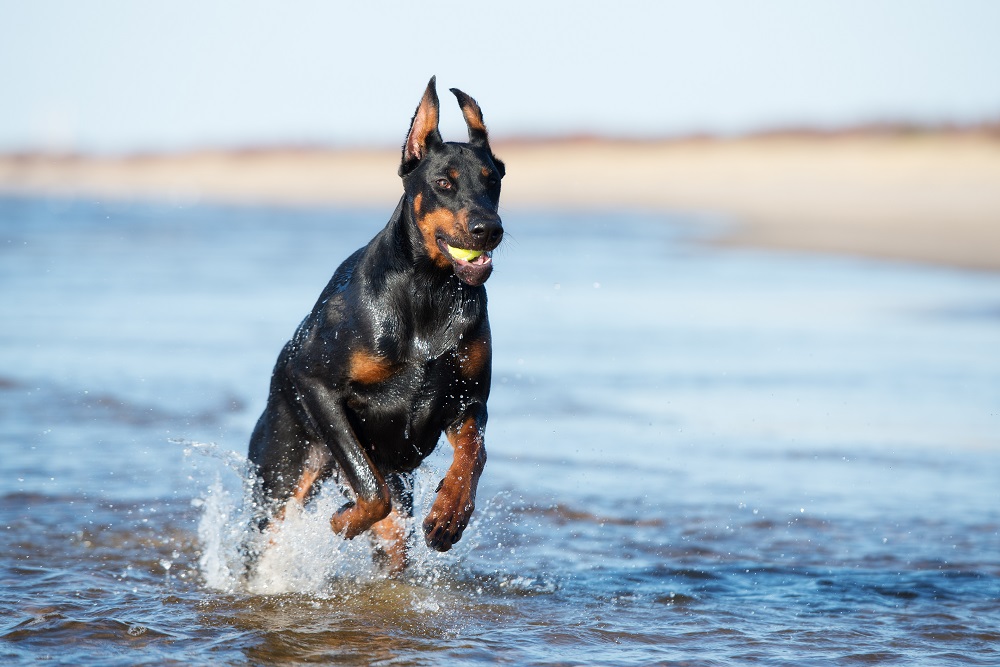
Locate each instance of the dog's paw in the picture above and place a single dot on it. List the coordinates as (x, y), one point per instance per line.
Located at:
(355, 518)
(448, 517)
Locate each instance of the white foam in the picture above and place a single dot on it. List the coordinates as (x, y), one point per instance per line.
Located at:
(301, 554)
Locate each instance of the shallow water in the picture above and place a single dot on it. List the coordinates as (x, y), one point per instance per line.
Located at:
(697, 456)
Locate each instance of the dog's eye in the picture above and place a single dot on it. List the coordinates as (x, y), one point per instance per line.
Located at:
(443, 183)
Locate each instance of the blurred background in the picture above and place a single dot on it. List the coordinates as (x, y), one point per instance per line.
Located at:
(849, 127)
(746, 321)
(123, 77)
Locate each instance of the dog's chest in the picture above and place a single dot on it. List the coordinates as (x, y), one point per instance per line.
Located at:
(425, 379)
(408, 374)
(399, 419)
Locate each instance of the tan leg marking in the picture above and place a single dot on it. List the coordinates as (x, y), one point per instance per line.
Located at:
(392, 533)
(456, 498)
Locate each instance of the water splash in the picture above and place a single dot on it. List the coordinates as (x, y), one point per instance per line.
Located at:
(301, 554)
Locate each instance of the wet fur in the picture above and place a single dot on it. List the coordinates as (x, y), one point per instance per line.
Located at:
(396, 351)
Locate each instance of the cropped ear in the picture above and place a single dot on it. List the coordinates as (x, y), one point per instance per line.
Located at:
(473, 119)
(477, 128)
(423, 130)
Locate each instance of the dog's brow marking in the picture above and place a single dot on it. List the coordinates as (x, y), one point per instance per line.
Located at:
(368, 368)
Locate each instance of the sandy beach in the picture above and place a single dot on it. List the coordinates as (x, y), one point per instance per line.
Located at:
(931, 197)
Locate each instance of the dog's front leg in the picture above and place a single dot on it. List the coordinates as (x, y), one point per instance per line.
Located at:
(456, 497)
(327, 416)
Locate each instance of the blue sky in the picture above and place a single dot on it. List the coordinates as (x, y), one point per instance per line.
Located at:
(123, 75)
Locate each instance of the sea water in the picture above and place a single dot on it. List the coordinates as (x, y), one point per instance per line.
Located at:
(697, 456)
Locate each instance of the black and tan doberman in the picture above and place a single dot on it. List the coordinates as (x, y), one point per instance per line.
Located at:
(395, 352)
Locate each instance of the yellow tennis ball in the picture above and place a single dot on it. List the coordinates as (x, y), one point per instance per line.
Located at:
(463, 254)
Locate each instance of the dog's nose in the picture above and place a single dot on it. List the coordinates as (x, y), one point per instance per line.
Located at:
(486, 231)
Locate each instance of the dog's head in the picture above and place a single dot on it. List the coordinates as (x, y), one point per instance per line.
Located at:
(453, 189)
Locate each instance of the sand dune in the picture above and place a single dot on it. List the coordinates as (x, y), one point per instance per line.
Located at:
(925, 197)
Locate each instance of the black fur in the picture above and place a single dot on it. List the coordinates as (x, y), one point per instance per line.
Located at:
(382, 366)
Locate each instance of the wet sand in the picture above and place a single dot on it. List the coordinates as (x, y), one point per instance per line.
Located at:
(925, 196)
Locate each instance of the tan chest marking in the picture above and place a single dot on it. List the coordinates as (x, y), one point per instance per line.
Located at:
(473, 356)
(368, 368)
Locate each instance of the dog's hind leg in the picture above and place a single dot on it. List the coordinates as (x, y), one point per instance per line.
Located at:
(318, 465)
(392, 534)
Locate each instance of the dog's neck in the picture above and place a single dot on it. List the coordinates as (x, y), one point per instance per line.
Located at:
(436, 298)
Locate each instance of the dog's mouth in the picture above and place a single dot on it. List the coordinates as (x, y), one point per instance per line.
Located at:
(472, 267)
(466, 255)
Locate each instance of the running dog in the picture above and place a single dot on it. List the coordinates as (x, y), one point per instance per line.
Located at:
(396, 351)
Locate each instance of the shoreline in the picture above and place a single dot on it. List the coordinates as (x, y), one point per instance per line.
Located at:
(927, 197)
